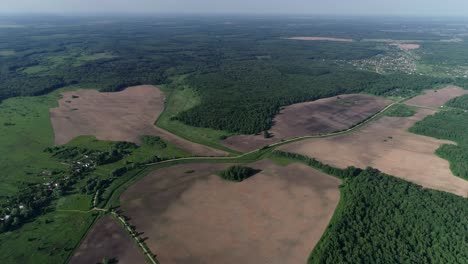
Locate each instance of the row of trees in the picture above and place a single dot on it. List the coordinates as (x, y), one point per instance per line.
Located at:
(337, 172)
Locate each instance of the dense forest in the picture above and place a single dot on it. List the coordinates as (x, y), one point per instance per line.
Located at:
(244, 70)
(382, 219)
(244, 98)
(450, 125)
(460, 102)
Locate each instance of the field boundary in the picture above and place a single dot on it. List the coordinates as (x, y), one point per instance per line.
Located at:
(146, 251)
(248, 157)
(284, 142)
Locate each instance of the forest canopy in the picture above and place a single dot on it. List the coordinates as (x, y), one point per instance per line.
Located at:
(382, 219)
(450, 125)
(243, 74)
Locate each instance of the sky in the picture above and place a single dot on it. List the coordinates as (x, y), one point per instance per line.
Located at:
(328, 7)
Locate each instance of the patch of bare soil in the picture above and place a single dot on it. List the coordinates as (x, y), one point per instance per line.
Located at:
(387, 145)
(191, 215)
(107, 239)
(406, 46)
(119, 116)
(321, 39)
(436, 98)
(312, 118)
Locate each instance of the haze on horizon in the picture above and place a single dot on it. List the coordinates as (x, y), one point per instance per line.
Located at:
(330, 7)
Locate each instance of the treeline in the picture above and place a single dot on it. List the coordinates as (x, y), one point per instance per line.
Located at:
(449, 125)
(458, 102)
(245, 97)
(71, 153)
(382, 219)
(107, 75)
(337, 172)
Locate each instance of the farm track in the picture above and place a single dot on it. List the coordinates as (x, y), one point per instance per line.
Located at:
(152, 257)
(145, 250)
(233, 158)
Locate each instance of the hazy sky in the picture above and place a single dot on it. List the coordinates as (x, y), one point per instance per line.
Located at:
(352, 7)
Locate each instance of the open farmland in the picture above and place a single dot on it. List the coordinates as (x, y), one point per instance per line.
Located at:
(119, 116)
(321, 39)
(406, 46)
(107, 240)
(312, 118)
(190, 215)
(436, 98)
(387, 145)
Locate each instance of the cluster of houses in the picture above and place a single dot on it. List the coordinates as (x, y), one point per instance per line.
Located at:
(77, 168)
(398, 61)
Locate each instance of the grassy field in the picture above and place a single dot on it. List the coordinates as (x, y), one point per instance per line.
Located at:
(400, 110)
(75, 58)
(51, 238)
(92, 57)
(36, 69)
(181, 98)
(6, 53)
(26, 131)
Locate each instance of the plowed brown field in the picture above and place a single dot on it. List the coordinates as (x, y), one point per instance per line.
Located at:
(119, 116)
(387, 145)
(436, 98)
(107, 239)
(312, 118)
(191, 216)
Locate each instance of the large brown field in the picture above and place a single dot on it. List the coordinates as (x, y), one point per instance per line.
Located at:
(107, 239)
(387, 145)
(312, 118)
(119, 116)
(190, 215)
(436, 98)
(321, 39)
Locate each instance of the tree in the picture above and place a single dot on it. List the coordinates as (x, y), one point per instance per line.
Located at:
(266, 134)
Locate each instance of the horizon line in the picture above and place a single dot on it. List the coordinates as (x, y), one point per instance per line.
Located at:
(296, 14)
